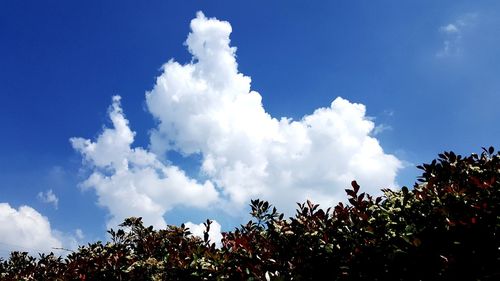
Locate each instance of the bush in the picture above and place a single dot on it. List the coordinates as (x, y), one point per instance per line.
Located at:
(445, 228)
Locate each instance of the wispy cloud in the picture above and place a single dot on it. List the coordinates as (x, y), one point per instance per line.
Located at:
(49, 197)
(79, 234)
(449, 29)
(381, 128)
(453, 35)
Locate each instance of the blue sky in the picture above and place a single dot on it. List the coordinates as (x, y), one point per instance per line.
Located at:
(425, 73)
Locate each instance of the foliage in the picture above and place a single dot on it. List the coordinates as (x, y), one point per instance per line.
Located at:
(445, 228)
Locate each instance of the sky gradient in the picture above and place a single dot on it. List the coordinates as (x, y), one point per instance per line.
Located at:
(158, 110)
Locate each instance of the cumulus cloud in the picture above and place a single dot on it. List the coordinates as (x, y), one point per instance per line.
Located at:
(214, 234)
(206, 108)
(49, 197)
(24, 229)
(132, 181)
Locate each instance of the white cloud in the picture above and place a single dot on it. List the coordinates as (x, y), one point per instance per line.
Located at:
(27, 230)
(214, 234)
(207, 107)
(79, 234)
(381, 128)
(453, 34)
(49, 197)
(450, 28)
(132, 181)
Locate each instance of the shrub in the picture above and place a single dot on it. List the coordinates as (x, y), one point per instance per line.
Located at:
(445, 228)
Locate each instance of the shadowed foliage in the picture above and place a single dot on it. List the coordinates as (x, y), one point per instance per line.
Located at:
(445, 228)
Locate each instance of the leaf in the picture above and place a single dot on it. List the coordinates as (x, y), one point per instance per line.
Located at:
(350, 192)
(355, 185)
(353, 202)
(417, 242)
(361, 197)
(404, 189)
